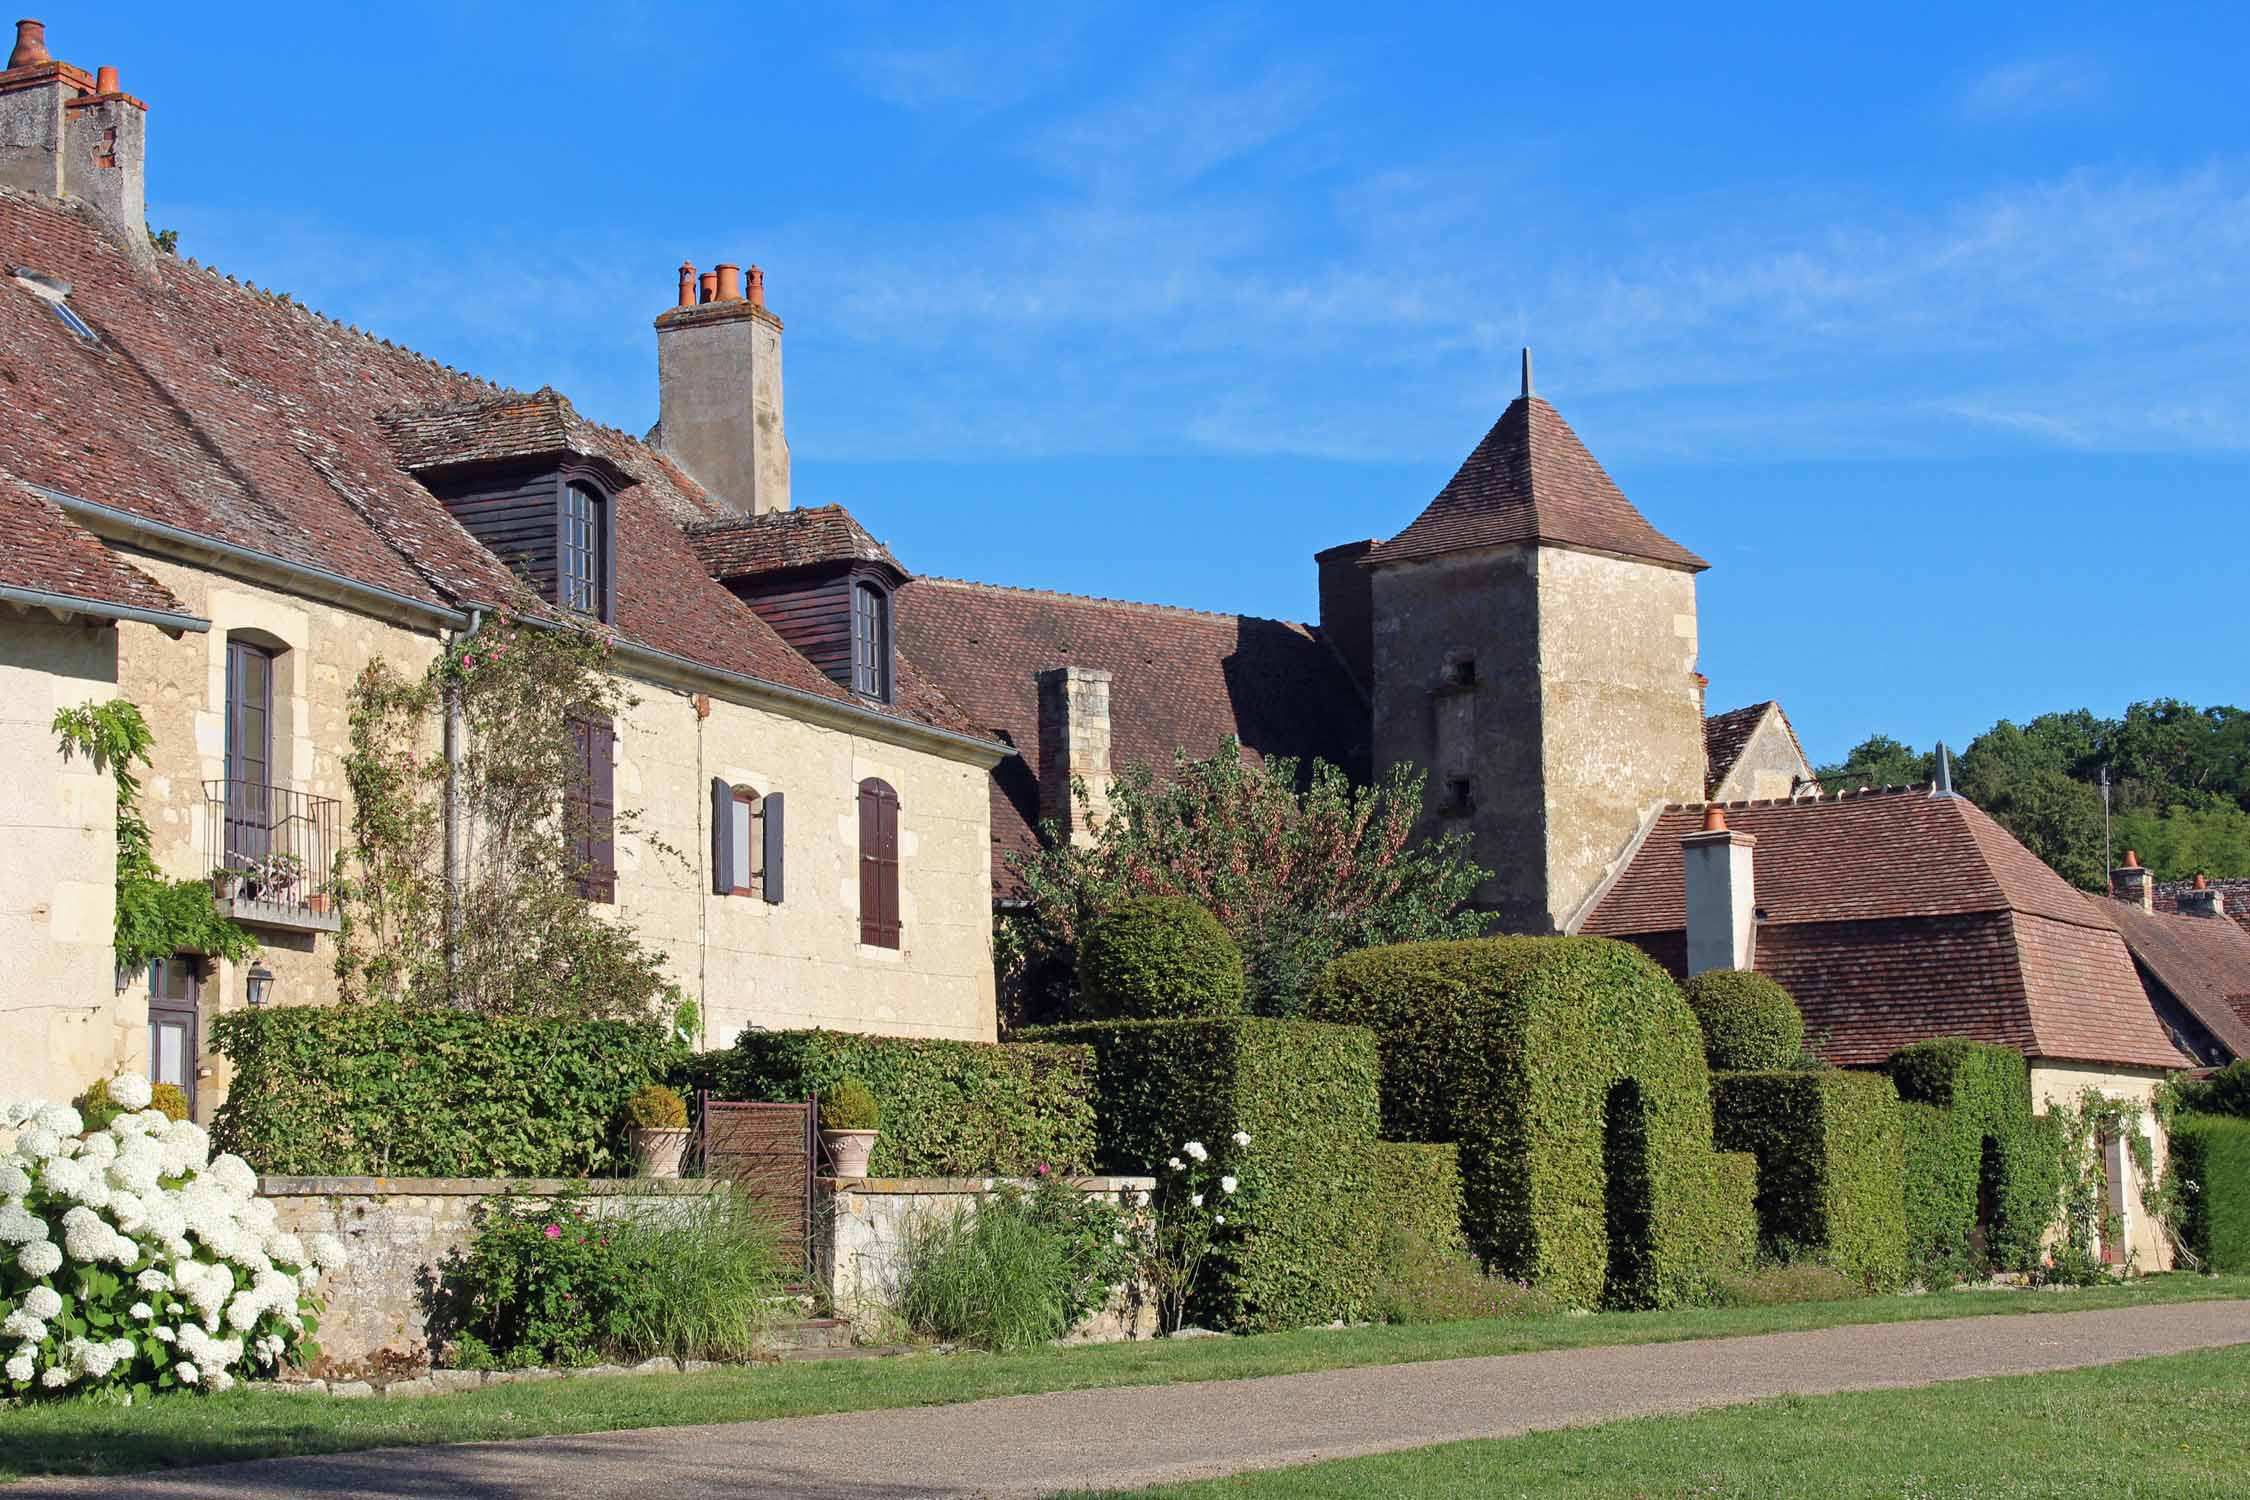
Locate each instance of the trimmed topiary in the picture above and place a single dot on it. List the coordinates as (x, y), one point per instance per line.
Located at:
(1750, 1025)
(2213, 1152)
(1971, 1137)
(1571, 1072)
(1159, 958)
(848, 1106)
(655, 1107)
(169, 1098)
(1831, 1161)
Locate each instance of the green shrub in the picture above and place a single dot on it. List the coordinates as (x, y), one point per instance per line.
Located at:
(1780, 1284)
(948, 1109)
(380, 1090)
(1571, 1073)
(2226, 1092)
(848, 1106)
(1158, 958)
(1422, 1283)
(1749, 1023)
(655, 1107)
(2213, 1152)
(1017, 1269)
(1972, 1138)
(561, 1283)
(1317, 1183)
(170, 1098)
(1831, 1165)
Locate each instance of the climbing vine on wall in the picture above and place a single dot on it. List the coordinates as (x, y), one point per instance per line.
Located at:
(156, 917)
(2089, 1219)
(514, 933)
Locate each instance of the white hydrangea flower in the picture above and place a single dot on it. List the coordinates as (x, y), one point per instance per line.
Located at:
(328, 1252)
(38, 1143)
(153, 1280)
(14, 1180)
(98, 1151)
(55, 1377)
(41, 1301)
(142, 1311)
(1228, 1184)
(128, 1210)
(1195, 1151)
(233, 1175)
(20, 1366)
(163, 1334)
(18, 1111)
(1195, 1200)
(19, 1225)
(221, 1380)
(1240, 1138)
(22, 1325)
(61, 1119)
(187, 1371)
(40, 1258)
(130, 1090)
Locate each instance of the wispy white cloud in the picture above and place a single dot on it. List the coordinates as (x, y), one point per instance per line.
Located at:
(2032, 86)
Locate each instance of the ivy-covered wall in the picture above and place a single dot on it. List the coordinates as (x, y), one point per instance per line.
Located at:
(1570, 1071)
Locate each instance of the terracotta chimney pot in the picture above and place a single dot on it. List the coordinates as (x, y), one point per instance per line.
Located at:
(757, 287)
(730, 283)
(709, 285)
(105, 81)
(687, 283)
(31, 45)
(1714, 819)
(2201, 884)
(2132, 860)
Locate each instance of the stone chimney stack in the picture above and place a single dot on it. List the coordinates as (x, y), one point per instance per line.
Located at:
(1074, 743)
(2199, 900)
(1722, 905)
(1347, 609)
(718, 372)
(66, 133)
(2130, 883)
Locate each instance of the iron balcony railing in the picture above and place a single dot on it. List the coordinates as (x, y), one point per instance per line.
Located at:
(272, 853)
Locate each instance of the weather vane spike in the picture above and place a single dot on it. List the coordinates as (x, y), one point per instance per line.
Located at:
(1527, 369)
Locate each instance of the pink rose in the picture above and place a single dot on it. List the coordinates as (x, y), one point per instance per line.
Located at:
(554, 1231)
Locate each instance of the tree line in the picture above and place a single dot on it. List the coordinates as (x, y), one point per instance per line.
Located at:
(2179, 786)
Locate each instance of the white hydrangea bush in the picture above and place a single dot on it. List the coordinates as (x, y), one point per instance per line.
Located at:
(132, 1260)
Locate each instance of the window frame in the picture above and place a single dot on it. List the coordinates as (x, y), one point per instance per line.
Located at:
(249, 799)
(597, 521)
(871, 675)
(747, 869)
(881, 924)
(184, 1011)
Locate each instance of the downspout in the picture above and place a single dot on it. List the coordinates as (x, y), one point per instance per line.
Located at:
(456, 814)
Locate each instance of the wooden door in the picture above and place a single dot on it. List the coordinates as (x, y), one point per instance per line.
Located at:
(175, 992)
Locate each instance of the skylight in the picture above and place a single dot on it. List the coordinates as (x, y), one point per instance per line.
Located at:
(73, 322)
(55, 292)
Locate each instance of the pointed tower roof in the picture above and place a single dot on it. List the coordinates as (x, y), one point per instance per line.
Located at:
(1532, 480)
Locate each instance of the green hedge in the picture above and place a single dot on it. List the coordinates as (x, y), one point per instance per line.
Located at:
(1971, 1135)
(2226, 1092)
(2213, 1152)
(377, 1090)
(1831, 1163)
(1749, 1023)
(1316, 1183)
(1571, 1073)
(948, 1109)
(1158, 958)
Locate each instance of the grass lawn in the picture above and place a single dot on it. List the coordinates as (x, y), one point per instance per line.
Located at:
(83, 1437)
(2176, 1427)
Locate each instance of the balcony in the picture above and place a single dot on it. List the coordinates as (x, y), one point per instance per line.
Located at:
(273, 850)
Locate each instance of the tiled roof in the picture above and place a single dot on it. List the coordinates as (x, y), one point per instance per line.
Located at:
(241, 416)
(495, 429)
(1180, 679)
(1532, 480)
(1894, 916)
(2234, 891)
(741, 546)
(2200, 961)
(49, 553)
(1726, 736)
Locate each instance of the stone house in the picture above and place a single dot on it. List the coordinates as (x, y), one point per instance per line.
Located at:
(223, 506)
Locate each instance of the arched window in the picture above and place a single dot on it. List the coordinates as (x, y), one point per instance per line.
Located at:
(871, 642)
(878, 865)
(582, 550)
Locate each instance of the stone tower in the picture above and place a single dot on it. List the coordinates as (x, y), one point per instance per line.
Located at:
(1534, 653)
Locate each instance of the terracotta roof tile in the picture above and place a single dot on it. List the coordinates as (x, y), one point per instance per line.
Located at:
(48, 552)
(1532, 480)
(1726, 736)
(2235, 891)
(742, 546)
(1894, 916)
(1181, 679)
(2201, 962)
(241, 416)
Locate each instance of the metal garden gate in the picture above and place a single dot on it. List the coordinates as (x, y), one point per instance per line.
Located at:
(771, 1152)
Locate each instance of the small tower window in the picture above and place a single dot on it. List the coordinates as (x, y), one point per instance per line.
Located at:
(871, 642)
(581, 563)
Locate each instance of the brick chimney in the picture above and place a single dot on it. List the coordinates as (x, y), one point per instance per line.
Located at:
(718, 372)
(2131, 884)
(1347, 609)
(1722, 905)
(66, 133)
(2200, 900)
(1074, 742)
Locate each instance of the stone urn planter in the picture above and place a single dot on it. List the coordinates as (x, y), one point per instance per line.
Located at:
(657, 1151)
(848, 1150)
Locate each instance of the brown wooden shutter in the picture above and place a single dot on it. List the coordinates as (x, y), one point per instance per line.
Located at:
(878, 865)
(771, 811)
(590, 807)
(722, 838)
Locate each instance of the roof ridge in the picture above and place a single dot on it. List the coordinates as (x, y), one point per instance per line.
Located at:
(1827, 799)
(1169, 609)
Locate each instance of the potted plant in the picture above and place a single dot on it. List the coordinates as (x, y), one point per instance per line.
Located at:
(848, 1121)
(657, 1119)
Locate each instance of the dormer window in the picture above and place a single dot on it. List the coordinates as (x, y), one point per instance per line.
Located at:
(871, 641)
(580, 563)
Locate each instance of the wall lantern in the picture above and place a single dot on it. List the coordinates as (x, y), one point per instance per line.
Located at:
(260, 984)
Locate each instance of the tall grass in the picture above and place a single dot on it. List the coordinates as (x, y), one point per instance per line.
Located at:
(995, 1276)
(711, 1276)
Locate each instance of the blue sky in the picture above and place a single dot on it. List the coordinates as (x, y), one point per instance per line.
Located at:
(1930, 328)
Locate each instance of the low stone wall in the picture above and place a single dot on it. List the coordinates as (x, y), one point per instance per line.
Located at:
(399, 1230)
(868, 1220)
